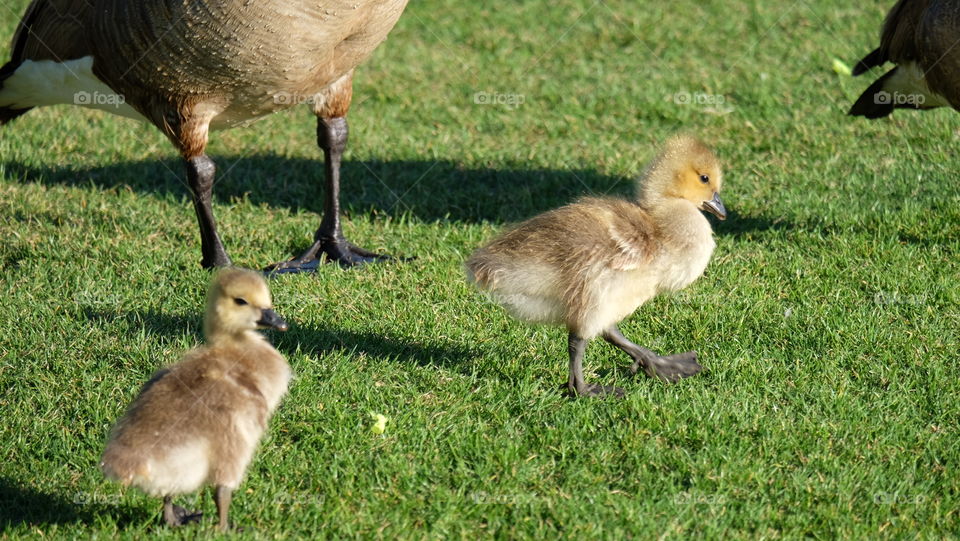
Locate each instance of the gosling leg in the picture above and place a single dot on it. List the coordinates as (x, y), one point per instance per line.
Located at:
(575, 383)
(223, 496)
(670, 368)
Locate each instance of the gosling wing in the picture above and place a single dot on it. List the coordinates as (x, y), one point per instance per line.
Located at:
(632, 237)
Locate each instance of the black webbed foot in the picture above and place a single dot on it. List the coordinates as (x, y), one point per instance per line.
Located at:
(341, 251)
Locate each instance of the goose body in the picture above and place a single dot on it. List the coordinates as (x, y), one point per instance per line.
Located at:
(198, 422)
(237, 61)
(189, 67)
(590, 264)
(919, 36)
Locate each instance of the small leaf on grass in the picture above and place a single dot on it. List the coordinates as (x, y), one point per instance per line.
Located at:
(379, 423)
(841, 68)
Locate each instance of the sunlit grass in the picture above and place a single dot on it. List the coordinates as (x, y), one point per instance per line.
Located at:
(827, 320)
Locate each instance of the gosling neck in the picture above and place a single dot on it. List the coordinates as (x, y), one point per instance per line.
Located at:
(682, 222)
(216, 334)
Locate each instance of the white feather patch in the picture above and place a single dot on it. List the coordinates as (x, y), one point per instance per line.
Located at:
(47, 82)
(907, 85)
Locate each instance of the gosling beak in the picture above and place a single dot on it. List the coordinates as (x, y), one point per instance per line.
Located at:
(269, 318)
(715, 207)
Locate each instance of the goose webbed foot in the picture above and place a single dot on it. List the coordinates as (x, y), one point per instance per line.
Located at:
(174, 515)
(669, 368)
(328, 250)
(329, 243)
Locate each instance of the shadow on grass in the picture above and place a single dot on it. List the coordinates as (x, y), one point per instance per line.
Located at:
(446, 355)
(743, 227)
(314, 341)
(428, 190)
(24, 505)
(20, 504)
(154, 323)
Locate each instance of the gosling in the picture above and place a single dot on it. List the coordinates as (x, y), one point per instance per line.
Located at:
(590, 264)
(198, 421)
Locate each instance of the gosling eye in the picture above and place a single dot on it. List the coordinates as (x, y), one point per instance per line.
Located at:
(239, 301)
(704, 179)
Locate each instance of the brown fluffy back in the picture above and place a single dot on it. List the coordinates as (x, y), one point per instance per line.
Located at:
(576, 242)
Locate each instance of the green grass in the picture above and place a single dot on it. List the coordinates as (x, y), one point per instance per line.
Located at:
(828, 319)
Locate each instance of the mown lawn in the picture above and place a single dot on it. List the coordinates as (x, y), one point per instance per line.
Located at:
(828, 320)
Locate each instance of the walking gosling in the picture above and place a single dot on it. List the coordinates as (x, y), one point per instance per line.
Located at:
(198, 422)
(590, 264)
(919, 36)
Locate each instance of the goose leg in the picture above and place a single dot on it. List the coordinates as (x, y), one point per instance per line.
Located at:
(670, 368)
(174, 515)
(223, 496)
(200, 174)
(329, 240)
(576, 386)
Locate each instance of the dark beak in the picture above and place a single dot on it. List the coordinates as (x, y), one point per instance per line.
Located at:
(269, 318)
(715, 207)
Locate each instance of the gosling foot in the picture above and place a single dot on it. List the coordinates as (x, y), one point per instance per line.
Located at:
(670, 368)
(174, 515)
(576, 386)
(592, 389)
(341, 251)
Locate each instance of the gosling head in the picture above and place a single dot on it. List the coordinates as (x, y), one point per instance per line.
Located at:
(238, 301)
(685, 169)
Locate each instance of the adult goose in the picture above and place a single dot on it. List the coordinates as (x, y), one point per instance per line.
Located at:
(189, 67)
(920, 37)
